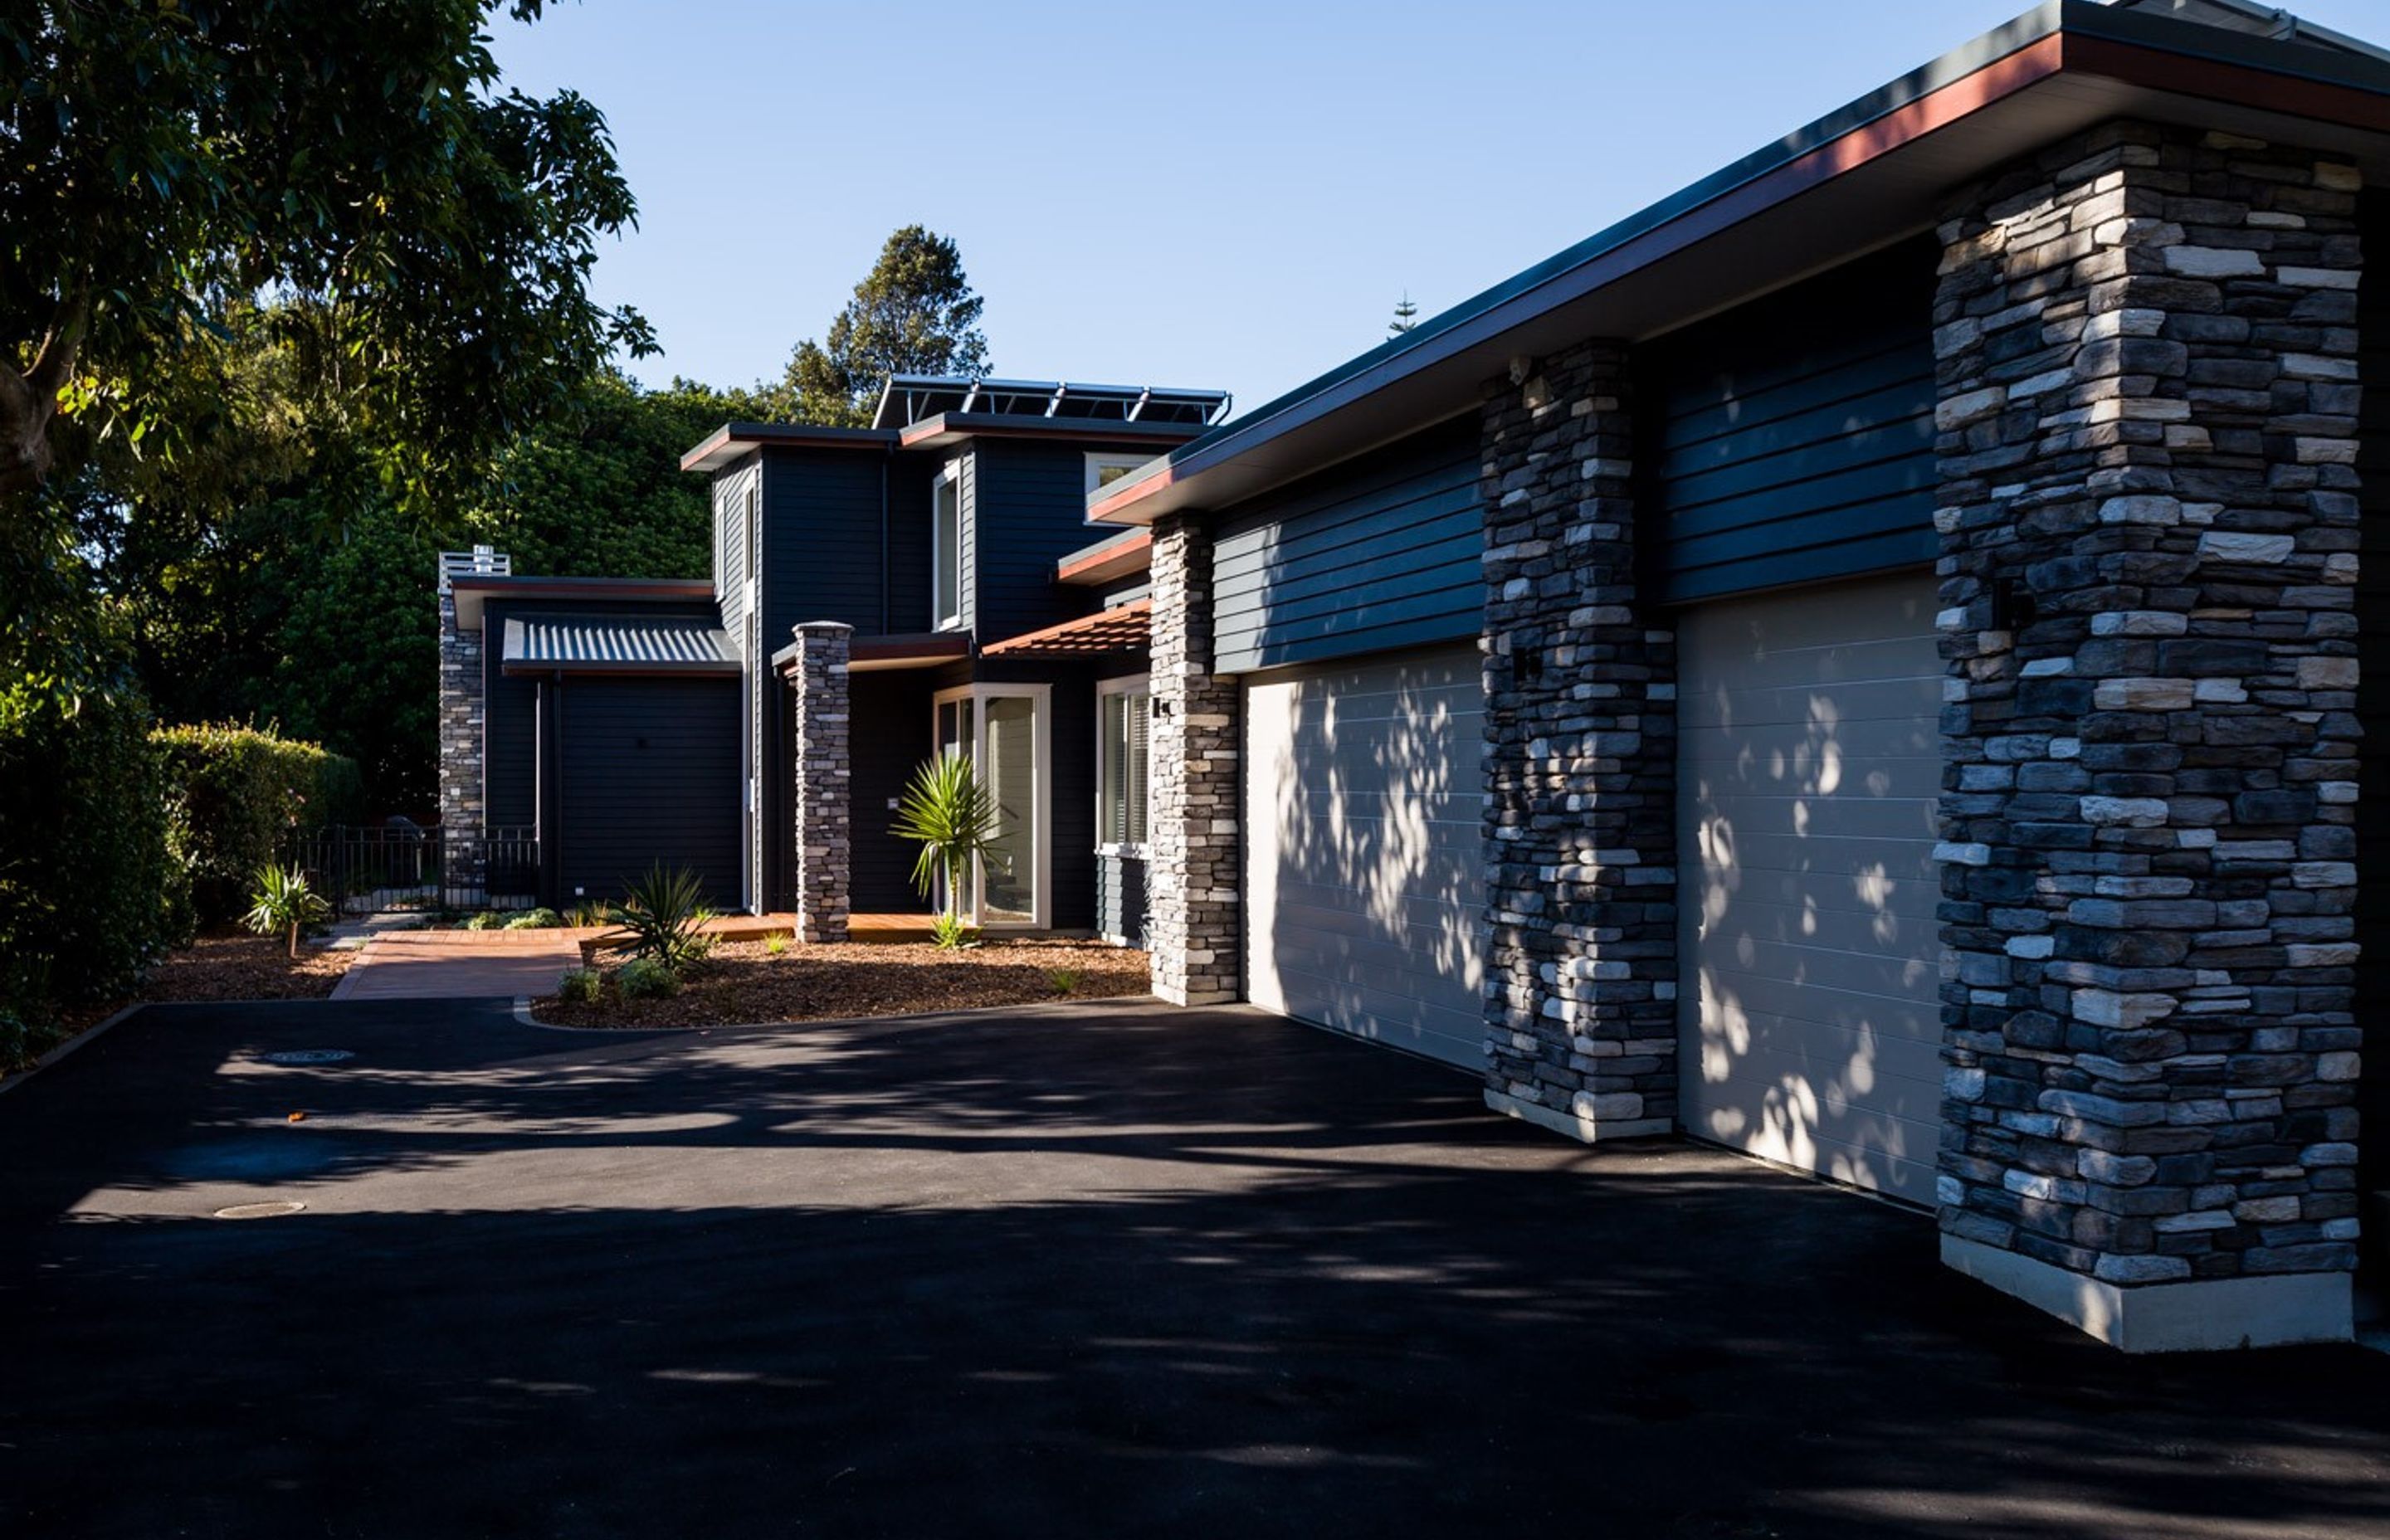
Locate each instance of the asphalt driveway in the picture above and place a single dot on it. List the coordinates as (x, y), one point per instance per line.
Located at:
(1103, 1270)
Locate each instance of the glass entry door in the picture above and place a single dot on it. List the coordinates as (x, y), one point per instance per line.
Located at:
(1002, 730)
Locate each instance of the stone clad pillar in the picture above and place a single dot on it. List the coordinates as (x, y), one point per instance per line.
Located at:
(822, 796)
(463, 710)
(1580, 765)
(2148, 414)
(1193, 845)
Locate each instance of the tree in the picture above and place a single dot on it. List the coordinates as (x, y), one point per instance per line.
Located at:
(434, 231)
(1406, 316)
(913, 313)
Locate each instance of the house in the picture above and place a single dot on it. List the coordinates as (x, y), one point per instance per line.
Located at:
(1865, 662)
(878, 594)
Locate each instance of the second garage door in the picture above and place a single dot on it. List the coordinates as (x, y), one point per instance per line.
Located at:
(1810, 763)
(1364, 839)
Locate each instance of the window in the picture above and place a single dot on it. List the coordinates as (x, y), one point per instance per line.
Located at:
(946, 549)
(1123, 727)
(1104, 469)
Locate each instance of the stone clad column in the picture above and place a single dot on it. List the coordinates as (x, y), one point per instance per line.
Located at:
(1580, 766)
(822, 799)
(2147, 414)
(1193, 872)
(463, 712)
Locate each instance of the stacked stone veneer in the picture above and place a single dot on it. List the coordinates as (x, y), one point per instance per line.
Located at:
(2148, 415)
(821, 799)
(1192, 845)
(462, 714)
(1580, 765)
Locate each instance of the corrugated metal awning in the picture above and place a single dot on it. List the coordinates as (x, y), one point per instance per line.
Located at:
(1128, 628)
(616, 644)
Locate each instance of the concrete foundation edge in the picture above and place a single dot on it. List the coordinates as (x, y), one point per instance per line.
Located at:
(2169, 1318)
(1583, 1130)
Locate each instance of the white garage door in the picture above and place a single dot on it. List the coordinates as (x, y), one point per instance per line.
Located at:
(1364, 876)
(1808, 1024)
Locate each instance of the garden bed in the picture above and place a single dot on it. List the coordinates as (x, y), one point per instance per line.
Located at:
(745, 981)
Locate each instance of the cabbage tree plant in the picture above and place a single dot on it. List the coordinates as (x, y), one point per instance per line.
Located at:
(952, 817)
(284, 903)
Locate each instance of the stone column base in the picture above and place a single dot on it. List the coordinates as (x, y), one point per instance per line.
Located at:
(2199, 1317)
(1582, 1122)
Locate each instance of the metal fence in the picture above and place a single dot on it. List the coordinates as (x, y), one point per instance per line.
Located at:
(379, 869)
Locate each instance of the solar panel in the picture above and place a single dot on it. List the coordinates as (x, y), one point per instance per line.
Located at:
(909, 399)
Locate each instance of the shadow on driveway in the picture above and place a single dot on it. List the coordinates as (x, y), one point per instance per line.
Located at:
(1090, 1270)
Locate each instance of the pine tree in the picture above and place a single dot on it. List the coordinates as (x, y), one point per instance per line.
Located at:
(1406, 316)
(913, 313)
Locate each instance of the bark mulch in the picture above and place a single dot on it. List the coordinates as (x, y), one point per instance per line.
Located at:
(743, 981)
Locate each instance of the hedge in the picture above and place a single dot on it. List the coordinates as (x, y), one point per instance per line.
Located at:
(87, 892)
(235, 796)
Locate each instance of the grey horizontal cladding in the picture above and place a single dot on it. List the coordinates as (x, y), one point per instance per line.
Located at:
(1791, 439)
(1386, 551)
(1120, 897)
(631, 643)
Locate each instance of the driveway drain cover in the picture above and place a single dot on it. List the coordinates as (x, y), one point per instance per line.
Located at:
(261, 1210)
(309, 1055)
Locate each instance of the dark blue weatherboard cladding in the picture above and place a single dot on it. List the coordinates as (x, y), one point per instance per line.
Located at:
(1027, 512)
(890, 734)
(650, 773)
(821, 555)
(1382, 552)
(510, 719)
(1791, 439)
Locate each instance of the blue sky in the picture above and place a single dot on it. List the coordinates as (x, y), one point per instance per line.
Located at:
(1227, 195)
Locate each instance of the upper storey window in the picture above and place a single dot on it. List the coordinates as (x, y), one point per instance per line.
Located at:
(946, 549)
(1104, 469)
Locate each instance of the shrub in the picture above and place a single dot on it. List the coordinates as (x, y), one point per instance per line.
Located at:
(776, 944)
(488, 919)
(87, 892)
(590, 912)
(579, 985)
(665, 914)
(646, 979)
(1064, 979)
(237, 796)
(534, 919)
(283, 902)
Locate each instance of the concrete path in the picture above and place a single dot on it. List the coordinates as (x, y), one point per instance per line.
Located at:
(459, 965)
(1104, 1269)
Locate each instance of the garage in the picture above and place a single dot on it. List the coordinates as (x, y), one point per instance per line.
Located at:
(1364, 851)
(1810, 762)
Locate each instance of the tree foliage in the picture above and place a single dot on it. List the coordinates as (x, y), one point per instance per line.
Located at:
(913, 313)
(432, 230)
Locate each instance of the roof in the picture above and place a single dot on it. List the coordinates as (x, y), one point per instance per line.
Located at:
(911, 650)
(616, 644)
(734, 440)
(471, 593)
(1126, 628)
(1873, 172)
(1107, 560)
(910, 398)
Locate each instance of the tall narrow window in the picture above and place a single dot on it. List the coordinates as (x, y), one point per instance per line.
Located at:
(1125, 722)
(946, 549)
